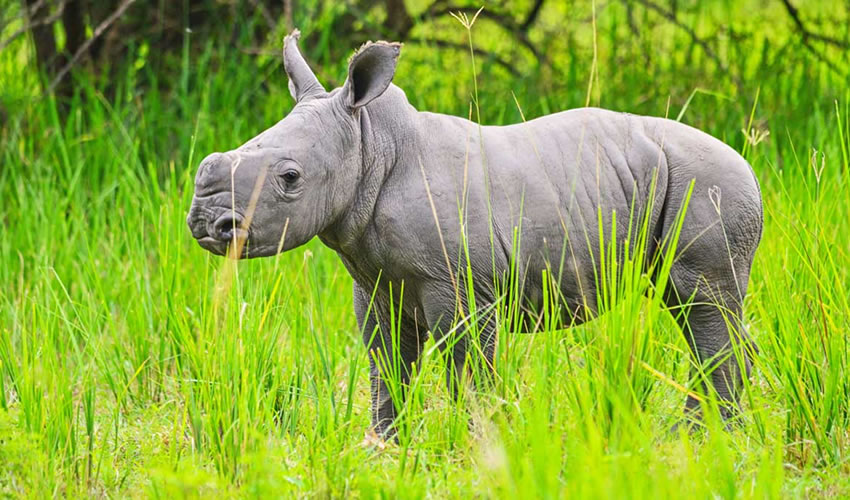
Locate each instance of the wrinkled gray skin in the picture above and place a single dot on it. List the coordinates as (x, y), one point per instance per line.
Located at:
(350, 166)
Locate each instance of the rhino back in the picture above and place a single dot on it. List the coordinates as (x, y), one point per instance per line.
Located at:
(537, 194)
(543, 195)
(579, 173)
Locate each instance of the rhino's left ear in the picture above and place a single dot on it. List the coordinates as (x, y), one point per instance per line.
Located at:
(302, 82)
(370, 72)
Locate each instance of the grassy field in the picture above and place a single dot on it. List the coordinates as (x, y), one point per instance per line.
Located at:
(133, 363)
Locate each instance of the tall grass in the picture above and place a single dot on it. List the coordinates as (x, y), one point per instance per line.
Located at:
(132, 362)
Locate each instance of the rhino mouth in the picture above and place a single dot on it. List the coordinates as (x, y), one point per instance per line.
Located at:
(231, 248)
(222, 234)
(213, 245)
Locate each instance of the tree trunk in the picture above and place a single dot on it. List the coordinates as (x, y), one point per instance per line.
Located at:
(42, 35)
(398, 21)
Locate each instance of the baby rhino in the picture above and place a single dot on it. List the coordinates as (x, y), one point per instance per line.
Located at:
(448, 208)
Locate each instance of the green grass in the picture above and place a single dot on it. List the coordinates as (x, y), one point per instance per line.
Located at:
(133, 363)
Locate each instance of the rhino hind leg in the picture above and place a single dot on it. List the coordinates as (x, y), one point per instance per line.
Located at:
(720, 346)
(708, 283)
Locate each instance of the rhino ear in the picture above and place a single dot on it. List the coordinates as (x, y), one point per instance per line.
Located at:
(370, 72)
(302, 82)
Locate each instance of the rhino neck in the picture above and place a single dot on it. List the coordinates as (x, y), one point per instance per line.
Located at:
(387, 135)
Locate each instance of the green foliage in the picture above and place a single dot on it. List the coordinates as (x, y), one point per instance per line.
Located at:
(134, 363)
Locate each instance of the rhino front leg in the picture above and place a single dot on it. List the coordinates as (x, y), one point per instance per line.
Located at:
(467, 340)
(390, 359)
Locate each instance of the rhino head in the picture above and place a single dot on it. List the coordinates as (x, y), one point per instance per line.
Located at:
(299, 177)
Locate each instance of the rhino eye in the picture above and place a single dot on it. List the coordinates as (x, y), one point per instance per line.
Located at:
(290, 176)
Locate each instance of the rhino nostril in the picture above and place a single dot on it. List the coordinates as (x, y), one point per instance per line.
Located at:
(227, 226)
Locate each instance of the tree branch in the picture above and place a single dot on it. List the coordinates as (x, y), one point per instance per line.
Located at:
(264, 12)
(806, 36)
(532, 15)
(795, 16)
(503, 20)
(103, 26)
(670, 16)
(34, 24)
(479, 52)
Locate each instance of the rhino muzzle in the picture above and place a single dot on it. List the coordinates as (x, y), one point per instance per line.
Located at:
(217, 230)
